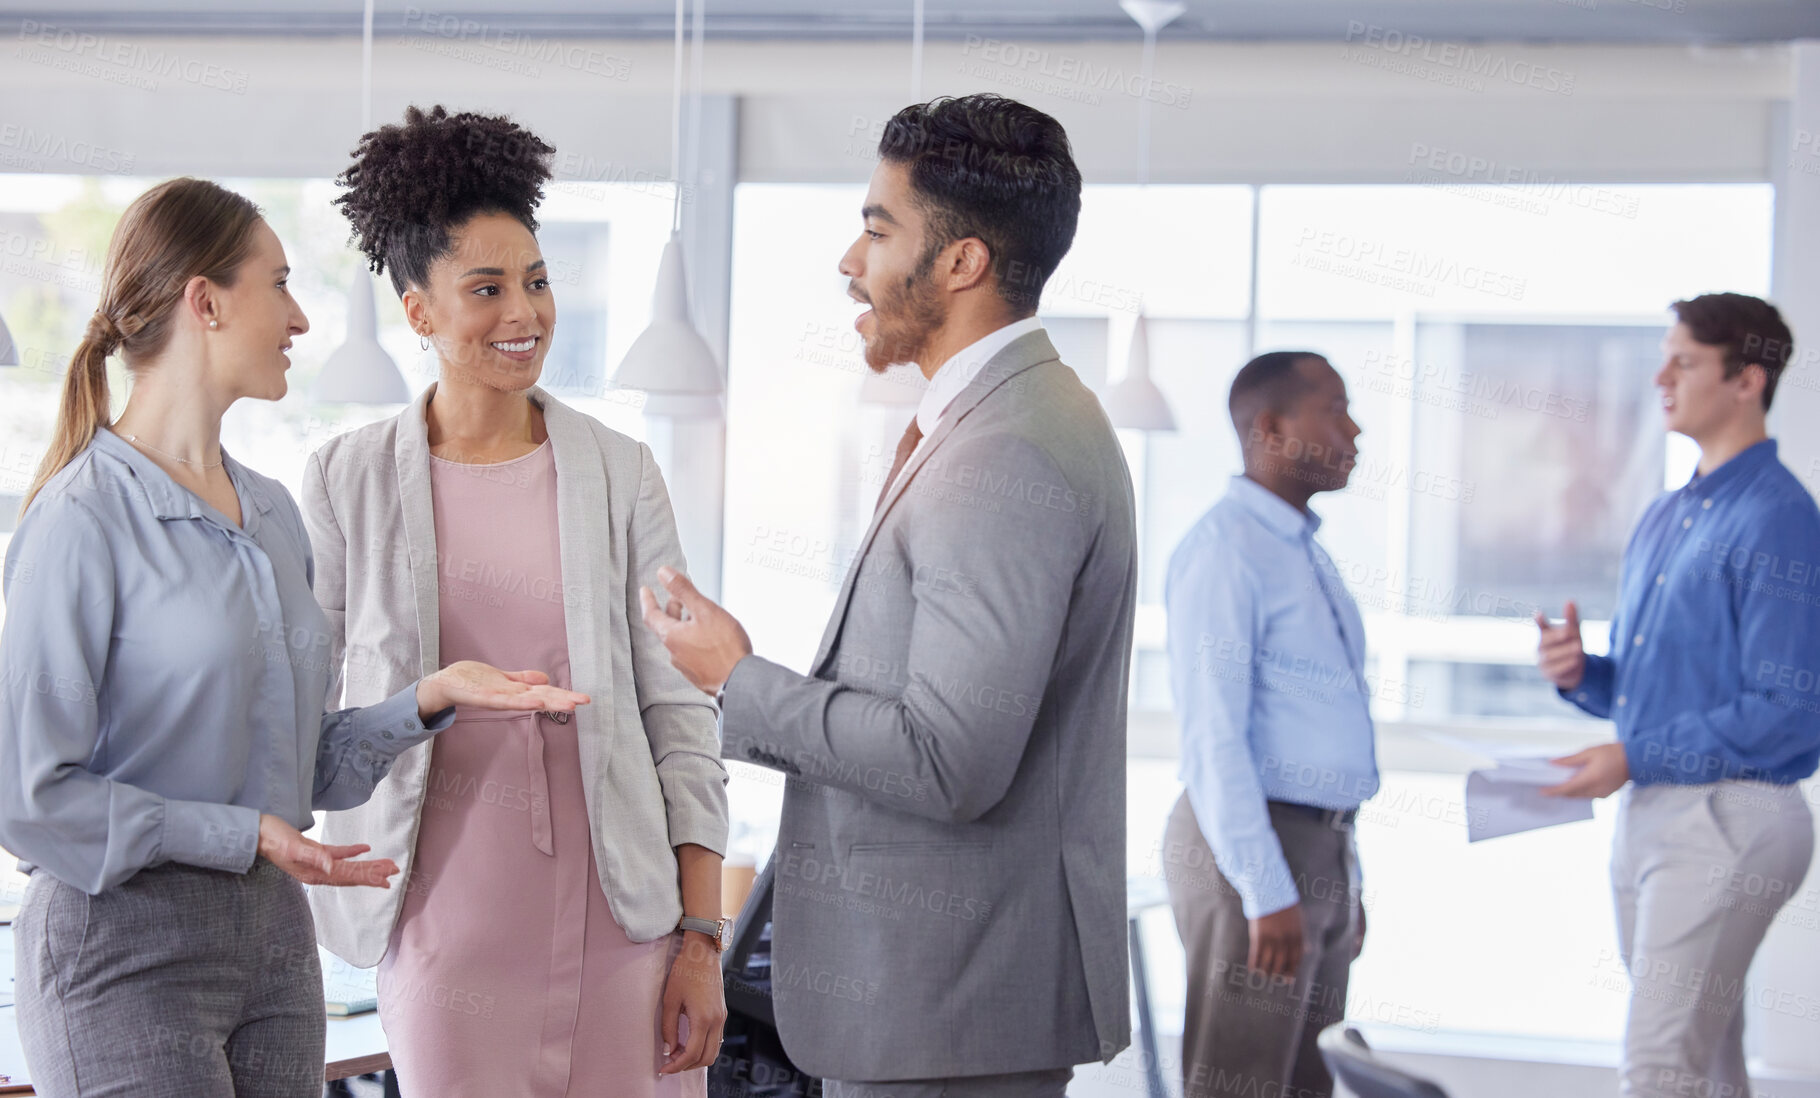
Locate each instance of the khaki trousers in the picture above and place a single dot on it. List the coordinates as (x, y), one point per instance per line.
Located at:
(1698, 873)
(1248, 1033)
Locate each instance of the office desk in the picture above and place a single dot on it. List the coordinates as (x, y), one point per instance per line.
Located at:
(356, 1046)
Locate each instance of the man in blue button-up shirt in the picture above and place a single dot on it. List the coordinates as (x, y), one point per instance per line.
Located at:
(1267, 659)
(1711, 684)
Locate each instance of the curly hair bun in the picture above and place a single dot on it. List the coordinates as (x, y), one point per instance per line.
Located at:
(412, 185)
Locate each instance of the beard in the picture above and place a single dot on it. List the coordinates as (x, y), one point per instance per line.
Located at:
(905, 319)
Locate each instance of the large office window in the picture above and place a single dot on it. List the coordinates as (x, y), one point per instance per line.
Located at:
(1498, 344)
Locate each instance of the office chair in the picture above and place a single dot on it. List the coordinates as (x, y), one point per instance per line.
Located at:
(752, 1061)
(1359, 1071)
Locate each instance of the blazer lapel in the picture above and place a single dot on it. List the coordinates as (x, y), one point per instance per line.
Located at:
(1019, 355)
(583, 509)
(411, 456)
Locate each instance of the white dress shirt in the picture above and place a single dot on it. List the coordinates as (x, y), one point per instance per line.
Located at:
(958, 372)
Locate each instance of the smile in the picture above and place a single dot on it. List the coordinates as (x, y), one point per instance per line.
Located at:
(522, 346)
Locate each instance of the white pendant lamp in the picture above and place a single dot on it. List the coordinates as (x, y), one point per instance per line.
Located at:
(9, 351)
(1134, 401)
(901, 384)
(670, 361)
(360, 371)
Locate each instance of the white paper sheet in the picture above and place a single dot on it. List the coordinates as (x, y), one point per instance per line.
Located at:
(1507, 798)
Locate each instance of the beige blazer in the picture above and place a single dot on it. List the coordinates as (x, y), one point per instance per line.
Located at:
(650, 754)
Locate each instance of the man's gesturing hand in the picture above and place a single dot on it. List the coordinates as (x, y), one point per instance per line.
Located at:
(1558, 653)
(704, 641)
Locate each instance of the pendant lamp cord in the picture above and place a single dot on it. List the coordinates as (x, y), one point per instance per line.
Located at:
(692, 161)
(676, 126)
(916, 53)
(1144, 107)
(366, 71)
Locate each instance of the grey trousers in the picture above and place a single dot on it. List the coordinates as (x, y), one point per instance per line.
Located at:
(1698, 873)
(179, 983)
(1023, 1084)
(1249, 1033)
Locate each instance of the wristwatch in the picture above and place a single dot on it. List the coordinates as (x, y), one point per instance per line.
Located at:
(720, 930)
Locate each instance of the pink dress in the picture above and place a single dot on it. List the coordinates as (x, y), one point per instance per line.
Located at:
(506, 973)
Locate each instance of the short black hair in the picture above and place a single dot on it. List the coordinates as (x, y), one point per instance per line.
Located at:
(990, 167)
(1268, 382)
(1748, 328)
(412, 185)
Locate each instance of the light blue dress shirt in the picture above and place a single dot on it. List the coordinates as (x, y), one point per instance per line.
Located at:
(1714, 671)
(1266, 660)
(164, 675)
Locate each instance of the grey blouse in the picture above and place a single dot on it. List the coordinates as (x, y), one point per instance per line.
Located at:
(164, 675)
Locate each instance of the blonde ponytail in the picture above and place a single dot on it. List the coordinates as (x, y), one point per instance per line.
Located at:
(84, 407)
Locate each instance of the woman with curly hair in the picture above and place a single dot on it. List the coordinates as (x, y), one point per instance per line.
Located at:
(164, 675)
(560, 926)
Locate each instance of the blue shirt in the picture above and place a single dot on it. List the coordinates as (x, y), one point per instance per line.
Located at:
(164, 675)
(1715, 644)
(1266, 660)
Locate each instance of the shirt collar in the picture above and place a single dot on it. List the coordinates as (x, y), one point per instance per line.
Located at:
(170, 500)
(1277, 514)
(960, 370)
(1741, 464)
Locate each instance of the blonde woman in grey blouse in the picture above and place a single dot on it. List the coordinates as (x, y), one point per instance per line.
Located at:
(165, 669)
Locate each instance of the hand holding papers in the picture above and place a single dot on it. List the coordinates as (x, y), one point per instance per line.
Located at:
(1507, 796)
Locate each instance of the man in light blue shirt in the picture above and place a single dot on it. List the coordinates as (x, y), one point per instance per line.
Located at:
(1267, 664)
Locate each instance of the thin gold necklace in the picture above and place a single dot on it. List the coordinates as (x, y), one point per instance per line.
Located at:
(137, 441)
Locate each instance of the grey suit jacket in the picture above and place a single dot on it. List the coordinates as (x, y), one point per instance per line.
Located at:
(950, 869)
(650, 758)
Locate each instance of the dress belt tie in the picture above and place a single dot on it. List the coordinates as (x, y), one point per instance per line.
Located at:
(541, 835)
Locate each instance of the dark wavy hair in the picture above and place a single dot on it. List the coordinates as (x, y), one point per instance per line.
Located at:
(993, 168)
(1748, 328)
(412, 186)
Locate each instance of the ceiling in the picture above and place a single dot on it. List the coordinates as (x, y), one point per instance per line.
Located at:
(1590, 21)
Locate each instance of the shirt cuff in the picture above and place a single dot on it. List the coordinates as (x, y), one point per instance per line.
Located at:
(1264, 883)
(392, 727)
(213, 836)
(1594, 692)
(1653, 761)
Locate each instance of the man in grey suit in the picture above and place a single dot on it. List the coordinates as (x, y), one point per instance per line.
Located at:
(949, 916)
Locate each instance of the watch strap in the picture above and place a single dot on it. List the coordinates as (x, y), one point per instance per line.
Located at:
(713, 928)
